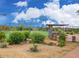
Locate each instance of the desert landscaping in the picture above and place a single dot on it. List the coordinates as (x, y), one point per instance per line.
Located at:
(21, 43)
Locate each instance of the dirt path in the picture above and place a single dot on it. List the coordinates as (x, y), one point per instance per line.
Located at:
(73, 54)
(46, 51)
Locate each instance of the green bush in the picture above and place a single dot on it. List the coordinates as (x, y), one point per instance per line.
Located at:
(2, 36)
(37, 37)
(62, 40)
(16, 37)
(26, 33)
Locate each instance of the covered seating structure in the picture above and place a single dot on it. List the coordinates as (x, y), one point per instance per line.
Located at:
(53, 35)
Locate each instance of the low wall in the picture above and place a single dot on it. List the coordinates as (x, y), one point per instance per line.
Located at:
(69, 37)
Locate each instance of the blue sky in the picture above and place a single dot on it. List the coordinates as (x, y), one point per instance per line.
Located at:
(7, 7)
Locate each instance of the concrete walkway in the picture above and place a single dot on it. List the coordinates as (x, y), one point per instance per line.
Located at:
(73, 54)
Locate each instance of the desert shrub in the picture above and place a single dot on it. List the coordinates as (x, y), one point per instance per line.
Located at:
(62, 39)
(3, 44)
(34, 48)
(26, 33)
(16, 37)
(37, 37)
(2, 36)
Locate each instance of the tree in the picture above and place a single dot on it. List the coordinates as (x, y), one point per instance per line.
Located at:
(21, 27)
(30, 27)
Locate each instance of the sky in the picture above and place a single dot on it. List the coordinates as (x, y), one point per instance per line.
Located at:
(39, 12)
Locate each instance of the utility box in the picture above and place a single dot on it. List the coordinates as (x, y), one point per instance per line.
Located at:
(73, 38)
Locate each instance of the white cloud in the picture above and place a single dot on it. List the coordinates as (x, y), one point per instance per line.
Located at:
(33, 13)
(19, 16)
(30, 13)
(47, 22)
(73, 8)
(72, 11)
(21, 3)
(67, 14)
